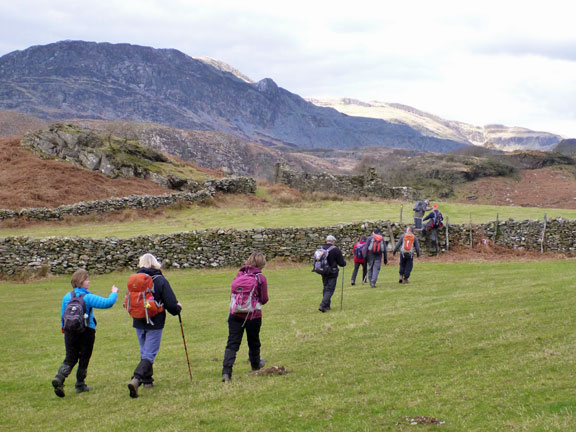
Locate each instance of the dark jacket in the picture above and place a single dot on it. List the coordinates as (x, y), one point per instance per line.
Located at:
(377, 255)
(262, 292)
(434, 216)
(335, 259)
(416, 247)
(163, 294)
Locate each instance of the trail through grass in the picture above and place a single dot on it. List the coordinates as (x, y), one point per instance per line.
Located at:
(481, 346)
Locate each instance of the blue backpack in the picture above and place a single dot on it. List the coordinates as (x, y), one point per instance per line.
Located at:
(360, 250)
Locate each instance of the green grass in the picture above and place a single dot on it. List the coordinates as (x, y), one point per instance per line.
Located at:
(241, 215)
(481, 346)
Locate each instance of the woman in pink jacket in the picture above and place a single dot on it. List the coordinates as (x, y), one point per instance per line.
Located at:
(249, 292)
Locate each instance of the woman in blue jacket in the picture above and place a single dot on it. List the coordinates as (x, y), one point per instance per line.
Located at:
(79, 345)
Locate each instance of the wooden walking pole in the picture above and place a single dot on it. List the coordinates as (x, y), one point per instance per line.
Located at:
(401, 209)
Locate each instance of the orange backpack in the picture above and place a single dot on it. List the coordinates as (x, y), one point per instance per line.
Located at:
(408, 243)
(139, 301)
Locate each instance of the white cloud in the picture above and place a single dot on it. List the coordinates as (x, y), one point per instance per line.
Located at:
(509, 62)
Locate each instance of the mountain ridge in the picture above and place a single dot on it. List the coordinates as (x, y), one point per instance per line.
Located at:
(496, 136)
(76, 79)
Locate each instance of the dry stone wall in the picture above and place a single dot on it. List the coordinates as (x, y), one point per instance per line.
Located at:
(224, 248)
(203, 191)
(369, 184)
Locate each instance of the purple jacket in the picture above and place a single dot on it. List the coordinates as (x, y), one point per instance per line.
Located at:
(262, 292)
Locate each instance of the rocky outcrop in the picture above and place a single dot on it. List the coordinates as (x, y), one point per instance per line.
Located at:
(112, 156)
(75, 79)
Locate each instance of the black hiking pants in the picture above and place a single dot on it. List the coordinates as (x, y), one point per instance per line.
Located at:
(79, 347)
(236, 328)
(406, 265)
(364, 270)
(329, 283)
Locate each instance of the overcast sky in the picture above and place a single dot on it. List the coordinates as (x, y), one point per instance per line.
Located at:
(508, 62)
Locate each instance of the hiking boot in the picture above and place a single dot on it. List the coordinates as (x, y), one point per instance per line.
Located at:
(260, 365)
(226, 378)
(406, 281)
(352, 283)
(82, 387)
(372, 285)
(400, 280)
(58, 385)
(148, 385)
(133, 387)
(321, 309)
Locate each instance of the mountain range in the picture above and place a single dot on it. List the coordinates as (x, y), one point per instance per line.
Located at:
(123, 82)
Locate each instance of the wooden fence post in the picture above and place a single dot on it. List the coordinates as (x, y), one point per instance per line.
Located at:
(543, 237)
(470, 228)
(447, 240)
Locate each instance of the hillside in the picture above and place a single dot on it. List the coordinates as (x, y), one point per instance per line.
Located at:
(28, 181)
(75, 79)
(494, 136)
(550, 187)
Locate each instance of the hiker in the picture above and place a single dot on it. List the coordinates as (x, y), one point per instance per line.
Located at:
(435, 217)
(150, 334)
(249, 280)
(376, 252)
(334, 259)
(420, 208)
(79, 327)
(359, 252)
(407, 244)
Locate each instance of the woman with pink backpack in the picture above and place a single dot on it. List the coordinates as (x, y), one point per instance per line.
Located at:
(359, 251)
(249, 293)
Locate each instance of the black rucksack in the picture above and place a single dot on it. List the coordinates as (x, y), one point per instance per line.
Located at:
(74, 319)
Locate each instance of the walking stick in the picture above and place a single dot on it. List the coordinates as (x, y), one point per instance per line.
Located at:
(185, 347)
(342, 295)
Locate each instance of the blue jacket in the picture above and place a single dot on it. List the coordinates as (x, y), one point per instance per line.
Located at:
(91, 301)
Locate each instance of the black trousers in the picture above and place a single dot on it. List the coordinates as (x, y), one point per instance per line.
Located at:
(406, 264)
(79, 349)
(236, 328)
(329, 283)
(364, 270)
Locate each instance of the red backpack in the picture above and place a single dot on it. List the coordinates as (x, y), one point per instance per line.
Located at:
(139, 301)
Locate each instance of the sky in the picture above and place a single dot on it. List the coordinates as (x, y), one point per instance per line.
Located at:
(492, 62)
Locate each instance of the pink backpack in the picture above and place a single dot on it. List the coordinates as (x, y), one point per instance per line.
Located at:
(244, 298)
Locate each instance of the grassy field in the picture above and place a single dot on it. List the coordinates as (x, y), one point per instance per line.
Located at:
(480, 346)
(240, 214)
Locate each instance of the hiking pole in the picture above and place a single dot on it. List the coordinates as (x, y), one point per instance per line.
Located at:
(185, 347)
(342, 295)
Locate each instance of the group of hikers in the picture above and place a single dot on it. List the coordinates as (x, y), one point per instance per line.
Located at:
(150, 296)
(369, 253)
